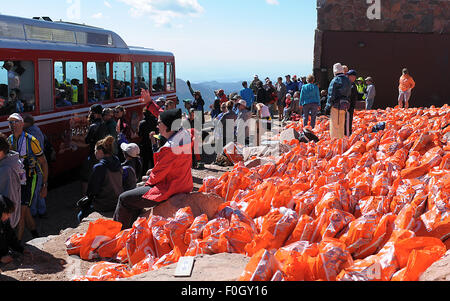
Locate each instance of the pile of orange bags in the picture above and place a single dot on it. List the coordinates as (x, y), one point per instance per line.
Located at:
(372, 206)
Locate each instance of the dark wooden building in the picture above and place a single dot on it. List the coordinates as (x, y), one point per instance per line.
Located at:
(381, 41)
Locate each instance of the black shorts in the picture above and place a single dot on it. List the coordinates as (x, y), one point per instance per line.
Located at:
(29, 191)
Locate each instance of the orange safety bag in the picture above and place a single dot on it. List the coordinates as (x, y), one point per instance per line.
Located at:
(168, 259)
(108, 271)
(140, 242)
(161, 240)
(261, 267)
(143, 266)
(196, 229)
(303, 231)
(176, 228)
(98, 232)
(73, 244)
(275, 230)
(332, 258)
(293, 260)
(415, 255)
(330, 223)
(110, 249)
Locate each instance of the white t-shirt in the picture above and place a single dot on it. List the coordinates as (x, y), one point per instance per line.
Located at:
(265, 111)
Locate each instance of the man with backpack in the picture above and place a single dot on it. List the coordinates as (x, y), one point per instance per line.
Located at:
(338, 101)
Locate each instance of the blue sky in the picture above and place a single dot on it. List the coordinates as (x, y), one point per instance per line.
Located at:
(212, 40)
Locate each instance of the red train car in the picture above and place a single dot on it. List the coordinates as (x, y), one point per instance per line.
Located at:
(56, 70)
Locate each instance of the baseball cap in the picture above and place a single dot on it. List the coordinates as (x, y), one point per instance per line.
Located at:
(131, 149)
(15, 116)
(242, 102)
(351, 72)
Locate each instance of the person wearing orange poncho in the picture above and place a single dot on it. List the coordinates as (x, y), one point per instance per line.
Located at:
(406, 84)
(171, 175)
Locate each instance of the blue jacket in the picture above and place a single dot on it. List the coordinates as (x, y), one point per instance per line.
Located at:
(309, 94)
(292, 86)
(247, 95)
(340, 89)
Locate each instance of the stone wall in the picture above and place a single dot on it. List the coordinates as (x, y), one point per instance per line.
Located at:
(418, 16)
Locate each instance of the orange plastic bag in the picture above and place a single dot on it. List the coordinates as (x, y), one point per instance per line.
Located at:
(368, 269)
(196, 229)
(237, 236)
(303, 231)
(230, 212)
(330, 223)
(416, 255)
(276, 228)
(160, 239)
(144, 266)
(176, 228)
(167, 259)
(98, 232)
(110, 249)
(332, 258)
(214, 226)
(140, 242)
(436, 221)
(108, 271)
(73, 244)
(360, 231)
(293, 260)
(261, 267)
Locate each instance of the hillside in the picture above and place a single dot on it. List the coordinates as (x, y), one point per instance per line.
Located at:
(207, 89)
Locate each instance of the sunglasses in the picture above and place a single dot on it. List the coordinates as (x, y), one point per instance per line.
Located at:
(14, 121)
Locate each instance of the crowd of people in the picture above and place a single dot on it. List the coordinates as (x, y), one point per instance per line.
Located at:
(124, 177)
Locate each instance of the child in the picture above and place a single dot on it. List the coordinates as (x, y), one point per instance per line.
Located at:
(132, 167)
(8, 239)
(288, 108)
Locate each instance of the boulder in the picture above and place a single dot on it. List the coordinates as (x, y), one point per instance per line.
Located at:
(200, 203)
(289, 135)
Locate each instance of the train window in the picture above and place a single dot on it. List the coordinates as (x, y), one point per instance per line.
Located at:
(16, 87)
(141, 77)
(11, 30)
(158, 77)
(121, 79)
(68, 83)
(49, 34)
(170, 77)
(98, 81)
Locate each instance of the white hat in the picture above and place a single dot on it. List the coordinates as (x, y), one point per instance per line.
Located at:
(242, 102)
(337, 68)
(131, 149)
(15, 116)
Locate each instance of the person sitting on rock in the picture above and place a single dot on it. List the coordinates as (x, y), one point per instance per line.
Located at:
(105, 183)
(8, 239)
(171, 175)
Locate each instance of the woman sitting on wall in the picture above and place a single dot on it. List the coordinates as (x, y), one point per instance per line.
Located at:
(171, 175)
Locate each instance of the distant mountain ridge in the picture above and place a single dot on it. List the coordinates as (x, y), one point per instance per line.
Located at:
(206, 89)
